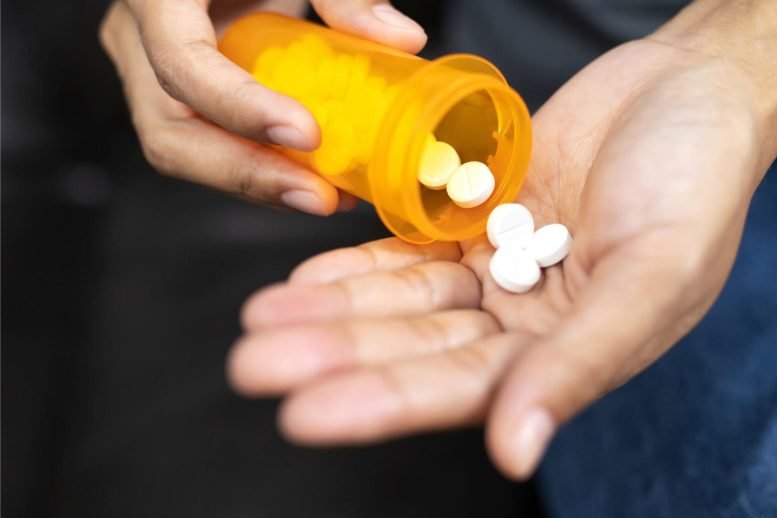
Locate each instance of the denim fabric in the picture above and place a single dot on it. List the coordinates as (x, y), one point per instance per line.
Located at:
(696, 434)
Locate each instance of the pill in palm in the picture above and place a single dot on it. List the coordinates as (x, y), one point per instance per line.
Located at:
(513, 269)
(471, 184)
(510, 223)
(549, 244)
(438, 163)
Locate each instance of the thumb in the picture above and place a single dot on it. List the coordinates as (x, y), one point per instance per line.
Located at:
(376, 20)
(618, 325)
(180, 42)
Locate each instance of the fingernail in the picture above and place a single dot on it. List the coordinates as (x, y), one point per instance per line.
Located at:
(287, 136)
(304, 201)
(346, 203)
(534, 432)
(390, 16)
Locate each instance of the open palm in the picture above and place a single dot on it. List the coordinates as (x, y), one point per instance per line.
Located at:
(647, 155)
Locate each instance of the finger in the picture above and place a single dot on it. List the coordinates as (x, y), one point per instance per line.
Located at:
(428, 393)
(181, 45)
(198, 151)
(274, 361)
(419, 289)
(223, 14)
(612, 332)
(376, 20)
(376, 256)
(346, 202)
(182, 145)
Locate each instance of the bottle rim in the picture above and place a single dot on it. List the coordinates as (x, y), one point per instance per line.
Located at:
(433, 109)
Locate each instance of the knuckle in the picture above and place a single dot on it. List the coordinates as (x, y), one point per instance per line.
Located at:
(372, 259)
(245, 183)
(248, 311)
(156, 150)
(104, 31)
(164, 70)
(168, 62)
(433, 333)
(466, 290)
(418, 282)
(243, 180)
(241, 106)
(166, 85)
(108, 28)
(410, 408)
(474, 362)
(485, 324)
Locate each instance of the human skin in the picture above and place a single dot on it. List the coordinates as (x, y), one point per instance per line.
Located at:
(201, 118)
(650, 155)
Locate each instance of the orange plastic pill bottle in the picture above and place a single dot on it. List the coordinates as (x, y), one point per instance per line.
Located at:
(378, 108)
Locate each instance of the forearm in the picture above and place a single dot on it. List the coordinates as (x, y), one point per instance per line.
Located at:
(742, 33)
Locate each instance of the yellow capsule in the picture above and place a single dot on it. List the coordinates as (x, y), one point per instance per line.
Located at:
(268, 59)
(325, 78)
(333, 156)
(334, 108)
(262, 77)
(391, 93)
(365, 141)
(307, 101)
(341, 75)
(320, 113)
(360, 69)
(294, 79)
(375, 95)
(316, 48)
(376, 83)
(364, 106)
(357, 104)
(266, 63)
(299, 54)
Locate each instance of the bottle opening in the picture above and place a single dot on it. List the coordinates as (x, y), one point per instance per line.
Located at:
(463, 101)
(471, 127)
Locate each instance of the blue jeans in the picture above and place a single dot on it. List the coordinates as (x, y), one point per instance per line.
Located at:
(696, 434)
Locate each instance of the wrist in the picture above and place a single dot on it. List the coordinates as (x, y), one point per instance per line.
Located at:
(743, 35)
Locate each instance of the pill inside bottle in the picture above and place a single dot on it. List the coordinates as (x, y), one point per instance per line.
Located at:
(378, 108)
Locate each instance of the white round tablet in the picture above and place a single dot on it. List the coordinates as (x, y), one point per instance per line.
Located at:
(550, 244)
(513, 269)
(510, 223)
(438, 163)
(471, 184)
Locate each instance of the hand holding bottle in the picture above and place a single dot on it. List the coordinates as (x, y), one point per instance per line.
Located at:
(201, 118)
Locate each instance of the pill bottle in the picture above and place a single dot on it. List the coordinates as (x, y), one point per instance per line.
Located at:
(378, 108)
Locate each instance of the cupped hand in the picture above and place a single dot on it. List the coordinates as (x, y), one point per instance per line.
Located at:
(201, 118)
(650, 155)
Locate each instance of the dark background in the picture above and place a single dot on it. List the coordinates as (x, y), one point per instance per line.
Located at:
(120, 298)
(121, 291)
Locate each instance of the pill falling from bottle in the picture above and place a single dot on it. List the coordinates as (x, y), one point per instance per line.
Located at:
(514, 269)
(550, 244)
(510, 223)
(520, 250)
